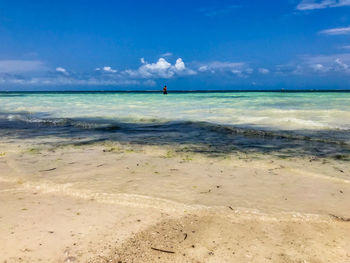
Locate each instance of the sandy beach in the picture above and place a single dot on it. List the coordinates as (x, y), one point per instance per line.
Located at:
(112, 202)
(175, 131)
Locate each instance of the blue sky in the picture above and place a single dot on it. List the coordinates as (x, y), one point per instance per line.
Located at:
(185, 44)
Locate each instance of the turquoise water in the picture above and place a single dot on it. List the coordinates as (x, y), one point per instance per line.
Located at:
(277, 111)
(311, 122)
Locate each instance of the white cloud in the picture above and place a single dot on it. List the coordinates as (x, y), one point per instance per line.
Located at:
(167, 54)
(61, 70)
(336, 31)
(341, 64)
(145, 75)
(62, 79)
(319, 68)
(314, 4)
(180, 65)
(292, 68)
(240, 69)
(237, 72)
(158, 69)
(203, 68)
(142, 60)
(338, 63)
(21, 66)
(264, 71)
(218, 65)
(109, 69)
(161, 69)
(346, 47)
(161, 64)
(326, 59)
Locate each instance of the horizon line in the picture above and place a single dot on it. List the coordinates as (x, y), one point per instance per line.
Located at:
(173, 91)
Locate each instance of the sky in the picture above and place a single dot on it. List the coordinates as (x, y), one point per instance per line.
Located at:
(186, 45)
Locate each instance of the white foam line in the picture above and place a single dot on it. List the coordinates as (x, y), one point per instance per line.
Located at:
(131, 200)
(142, 201)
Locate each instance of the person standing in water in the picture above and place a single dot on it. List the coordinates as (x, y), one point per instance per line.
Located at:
(165, 92)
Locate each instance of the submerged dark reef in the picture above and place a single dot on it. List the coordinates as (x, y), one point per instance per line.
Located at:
(201, 136)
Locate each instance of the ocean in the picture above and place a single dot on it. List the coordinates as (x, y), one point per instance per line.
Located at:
(288, 123)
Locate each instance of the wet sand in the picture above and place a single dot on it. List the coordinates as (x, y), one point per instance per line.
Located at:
(108, 202)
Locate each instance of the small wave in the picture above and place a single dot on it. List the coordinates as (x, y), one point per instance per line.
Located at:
(291, 135)
(59, 122)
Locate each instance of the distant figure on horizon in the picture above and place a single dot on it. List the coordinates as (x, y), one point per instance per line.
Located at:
(165, 92)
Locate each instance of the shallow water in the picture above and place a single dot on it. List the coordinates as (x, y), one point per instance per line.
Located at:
(273, 110)
(311, 122)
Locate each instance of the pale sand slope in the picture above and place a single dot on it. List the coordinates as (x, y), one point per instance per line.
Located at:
(110, 203)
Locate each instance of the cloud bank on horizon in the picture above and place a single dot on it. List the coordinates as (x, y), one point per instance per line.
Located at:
(313, 4)
(247, 63)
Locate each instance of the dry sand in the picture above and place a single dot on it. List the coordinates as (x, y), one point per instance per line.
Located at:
(129, 203)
